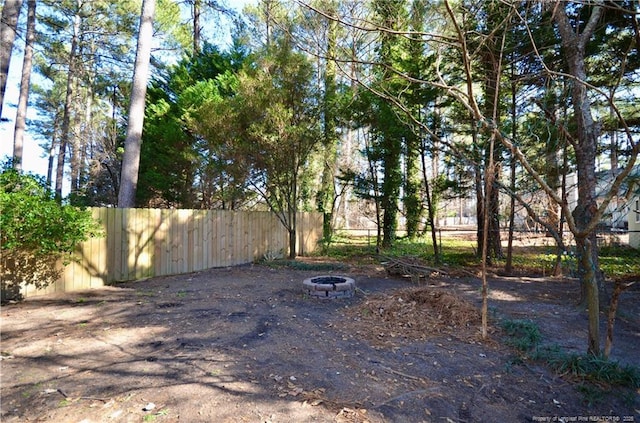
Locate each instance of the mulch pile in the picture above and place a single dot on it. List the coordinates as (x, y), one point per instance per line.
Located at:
(414, 314)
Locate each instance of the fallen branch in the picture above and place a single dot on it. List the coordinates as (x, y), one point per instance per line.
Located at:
(396, 372)
(408, 394)
(64, 394)
(407, 267)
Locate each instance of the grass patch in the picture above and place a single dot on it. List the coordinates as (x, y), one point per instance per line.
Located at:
(300, 265)
(153, 417)
(524, 335)
(595, 369)
(620, 262)
(615, 261)
(592, 395)
(454, 252)
(31, 390)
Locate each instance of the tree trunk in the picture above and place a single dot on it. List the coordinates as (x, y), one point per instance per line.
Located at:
(480, 232)
(52, 153)
(390, 189)
(292, 210)
(589, 282)
(8, 29)
(558, 271)
(75, 148)
(292, 237)
(373, 171)
(430, 209)
(88, 144)
(412, 197)
(68, 103)
(495, 242)
(479, 190)
(133, 140)
(574, 47)
(196, 9)
(484, 311)
(611, 315)
(491, 64)
(27, 64)
(508, 267)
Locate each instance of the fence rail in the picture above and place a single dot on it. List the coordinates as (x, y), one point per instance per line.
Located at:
(141, 243)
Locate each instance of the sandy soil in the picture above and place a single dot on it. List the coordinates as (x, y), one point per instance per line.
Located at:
(244, 344)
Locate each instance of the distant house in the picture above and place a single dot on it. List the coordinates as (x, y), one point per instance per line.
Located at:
(621, 213)
(616, 214)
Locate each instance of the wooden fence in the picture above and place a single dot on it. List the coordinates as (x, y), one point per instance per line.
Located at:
(141, 243)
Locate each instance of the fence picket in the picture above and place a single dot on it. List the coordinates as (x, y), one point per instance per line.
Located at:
(140, 243)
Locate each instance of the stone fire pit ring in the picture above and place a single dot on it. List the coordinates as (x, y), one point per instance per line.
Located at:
(329, 287)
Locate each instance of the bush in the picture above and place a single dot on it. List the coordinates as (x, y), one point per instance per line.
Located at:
(37, 232)
(522, 334)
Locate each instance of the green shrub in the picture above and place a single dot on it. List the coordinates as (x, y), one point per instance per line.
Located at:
(37, 231)
(522, 334)
(597, 369)
(525, 336)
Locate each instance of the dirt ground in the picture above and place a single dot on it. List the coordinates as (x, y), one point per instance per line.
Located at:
(244, 344)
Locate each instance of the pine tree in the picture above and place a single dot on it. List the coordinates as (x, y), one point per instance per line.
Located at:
(133, 141)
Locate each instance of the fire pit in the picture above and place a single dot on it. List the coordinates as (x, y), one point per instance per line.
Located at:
(329, 287)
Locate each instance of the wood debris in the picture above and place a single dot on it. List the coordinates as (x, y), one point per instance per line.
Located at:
(408, 266)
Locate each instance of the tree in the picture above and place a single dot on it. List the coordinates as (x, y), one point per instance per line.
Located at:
(326, 196)
(133, 141)
(267, 20)
(101, 71)
(276, 102)
(8, 30)
(574, 42)
(224, 172)
(587, 213)
(493, 27)
(196, 10)
(27, 64)
(100, 33)
(415, 65)
(388, 128)
(185, 161)
(576, 25)
(71, 84)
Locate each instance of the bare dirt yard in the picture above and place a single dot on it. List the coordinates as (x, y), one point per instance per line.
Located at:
(244, 344)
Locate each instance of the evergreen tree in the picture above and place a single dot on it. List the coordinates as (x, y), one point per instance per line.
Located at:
(185, 161)
(277, 105)
(388, 129)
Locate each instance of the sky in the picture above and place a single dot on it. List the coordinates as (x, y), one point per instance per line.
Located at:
(35, 157)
